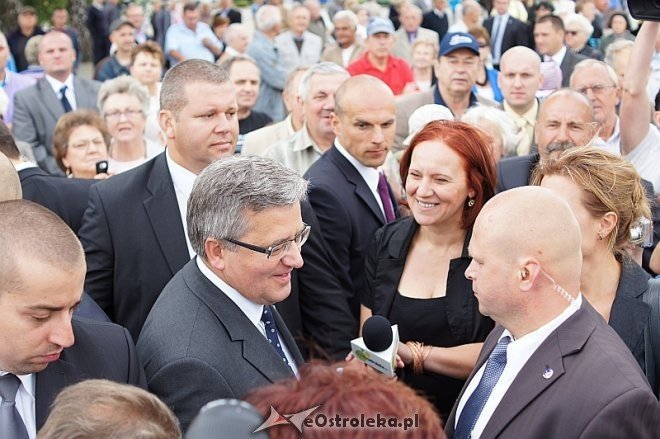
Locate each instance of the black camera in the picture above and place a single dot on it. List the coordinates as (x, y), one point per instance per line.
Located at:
(645, 9)
(102, 167)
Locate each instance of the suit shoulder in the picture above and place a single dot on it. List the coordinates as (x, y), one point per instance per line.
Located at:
(125, 184)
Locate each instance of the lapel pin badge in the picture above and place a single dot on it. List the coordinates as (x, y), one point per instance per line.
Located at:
(547, 373)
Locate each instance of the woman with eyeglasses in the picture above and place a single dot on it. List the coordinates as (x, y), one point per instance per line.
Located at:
(80, 141)
(415, 267)
(607, 198)
(124, 105)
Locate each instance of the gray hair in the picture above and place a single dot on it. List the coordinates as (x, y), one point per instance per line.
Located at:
(233, 31)
(614, 48)
(581, 21)
(230, 188)
(173, 93)
(507, 126)
(124, 85)
(267, 17)
(347, 15)
(32, 50)
(593, 63)
(323, 68)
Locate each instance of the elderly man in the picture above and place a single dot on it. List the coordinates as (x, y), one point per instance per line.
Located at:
(11, 82)
(228, 338)
(346, 48)
(549, 37)
(378, 60)
(297, 46)
(258, 141)
(550, 348)
(410, 30)
(470, 18)
(565, 120)
(37, 108)
(519, 79)
(129, 262)
(191, 39)
(268, 23)
(42, 348)
(456, 71)
(504, 30)
(437, 19)
(349, 194)
(135, 14)
(237, 40)
(317, 96)
(244, 75)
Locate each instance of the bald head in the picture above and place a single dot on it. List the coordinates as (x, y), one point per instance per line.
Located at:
(356, 88)
(29, 234)
(10, 184)
(521, 54)
(520, 78)
(526, 249)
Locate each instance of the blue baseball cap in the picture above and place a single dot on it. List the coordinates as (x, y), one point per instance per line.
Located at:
(458, 40)
(379, 25)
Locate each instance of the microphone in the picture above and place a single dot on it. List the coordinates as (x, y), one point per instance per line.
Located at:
(227, 418)
(378, 345)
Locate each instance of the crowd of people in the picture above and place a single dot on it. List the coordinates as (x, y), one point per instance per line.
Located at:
(218, 207)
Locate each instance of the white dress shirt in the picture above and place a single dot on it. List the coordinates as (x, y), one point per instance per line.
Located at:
(25, 403)
(252, 311)
(613, 144)
(183, 181)
(519, 351)
(559, 56)
(70, 92)
(369, 175)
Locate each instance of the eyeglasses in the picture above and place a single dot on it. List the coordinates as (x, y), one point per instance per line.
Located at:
(572, 32)
(597, 89)
(85, 144)
(117, 114)
(277, 249)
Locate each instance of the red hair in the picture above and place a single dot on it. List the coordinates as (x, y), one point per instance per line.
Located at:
(474, 149)
(354, 392)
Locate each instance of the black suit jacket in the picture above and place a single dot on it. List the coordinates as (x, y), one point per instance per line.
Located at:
(102, 350)
(571, 59)
(211, 349)
(432, 21)
(348, 214)
(66, 197)
(515, 33)
(596, 389)
(134, 241)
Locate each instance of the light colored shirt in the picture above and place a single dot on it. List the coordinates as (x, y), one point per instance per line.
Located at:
(525, 124)
(369, 175)
(559, 56)
(183, 181)
(257, 141)
(519, 351)
(646, 158)
(298, 152)
(252, 311)
(25, 402)
(346, 54)
(152, 150)
(57, 86)
(189, 43)
(613, 143)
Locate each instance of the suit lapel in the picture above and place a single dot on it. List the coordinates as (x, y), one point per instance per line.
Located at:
(629, 313)
(83, 97)
(49, 383)
(353, 176)
(163, 212)
(50, 100)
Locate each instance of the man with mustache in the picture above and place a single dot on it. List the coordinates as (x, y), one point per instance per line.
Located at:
(565, 120)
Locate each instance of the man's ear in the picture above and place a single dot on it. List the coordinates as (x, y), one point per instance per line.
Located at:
(215, 253)
(529, 271)
(167, 123)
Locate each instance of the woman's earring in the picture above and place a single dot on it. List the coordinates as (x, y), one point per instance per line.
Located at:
(471, 202)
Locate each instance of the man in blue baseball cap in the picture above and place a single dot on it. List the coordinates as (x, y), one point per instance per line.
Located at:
(456, 70)
(378, 60)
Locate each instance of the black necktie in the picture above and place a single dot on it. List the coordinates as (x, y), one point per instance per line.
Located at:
(64, 100)
(11, 423)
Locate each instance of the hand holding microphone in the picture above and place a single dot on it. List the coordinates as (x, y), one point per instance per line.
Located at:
(378, 346)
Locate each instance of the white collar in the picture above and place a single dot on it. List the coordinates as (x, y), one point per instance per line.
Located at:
(182, 178)
(559, 56)
(252, 311)
(57, 85)
(26, 380)
(24, 165)
(370, 175)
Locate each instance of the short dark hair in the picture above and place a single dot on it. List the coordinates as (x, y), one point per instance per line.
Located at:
(150, 48)
(190, 6)
(545, 5)
(618, 13)
(556, 22)
(8, 144)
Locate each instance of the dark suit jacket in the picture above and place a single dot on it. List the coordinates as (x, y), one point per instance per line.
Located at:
(596, 390)
(211, 350)
(515, 171)
(430, 20)
(348, 214)
(568, 64)
(66, 197)
(134, 241)
(515, 33)
(102, 350)
(36, 112)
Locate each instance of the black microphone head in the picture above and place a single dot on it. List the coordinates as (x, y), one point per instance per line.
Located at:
(377, 333)
(227, 418)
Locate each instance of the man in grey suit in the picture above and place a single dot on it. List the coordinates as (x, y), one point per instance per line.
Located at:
(549, 36)
(411, 30)
(214, 332)
(552, 368)
(298, 46)
(38, 108)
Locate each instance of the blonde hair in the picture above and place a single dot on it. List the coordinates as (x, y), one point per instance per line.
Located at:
(608, 183)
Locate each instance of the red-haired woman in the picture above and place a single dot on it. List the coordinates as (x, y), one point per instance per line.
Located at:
(415, 266)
